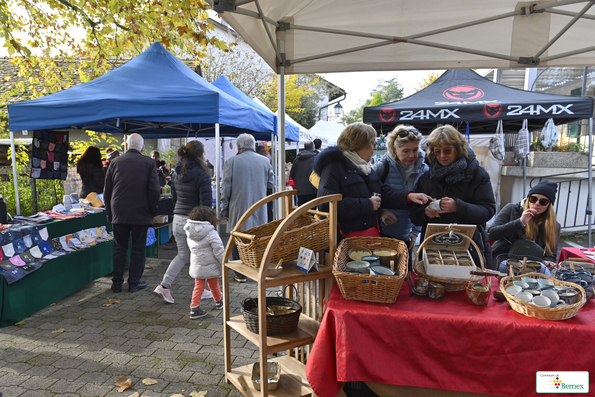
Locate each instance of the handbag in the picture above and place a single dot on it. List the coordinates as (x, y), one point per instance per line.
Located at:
(523, 248)
(521, 147)
(497, 143)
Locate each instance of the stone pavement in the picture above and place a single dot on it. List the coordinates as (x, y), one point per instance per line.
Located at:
(140, 337)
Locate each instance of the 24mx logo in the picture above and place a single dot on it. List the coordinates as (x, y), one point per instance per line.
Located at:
(492, 110)
(387, 115)
(518, 110)
(426, 114)
(463, 93)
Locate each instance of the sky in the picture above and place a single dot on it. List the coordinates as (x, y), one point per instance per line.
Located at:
(358, 85)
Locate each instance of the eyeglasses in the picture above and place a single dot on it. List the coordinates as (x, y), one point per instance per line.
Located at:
(445, 152)
(404, 134)
(542, 201)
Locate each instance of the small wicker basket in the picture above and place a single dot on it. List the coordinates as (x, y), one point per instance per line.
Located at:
(452, 284)
(370, 287)
(305, 231)
(279, 324)
(543, 313)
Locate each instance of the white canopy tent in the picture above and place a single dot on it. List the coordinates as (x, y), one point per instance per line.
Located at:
(327, 131)
(324, 36)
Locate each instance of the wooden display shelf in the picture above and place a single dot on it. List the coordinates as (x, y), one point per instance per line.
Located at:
(292, 383)
(289, 275)
(303, 335)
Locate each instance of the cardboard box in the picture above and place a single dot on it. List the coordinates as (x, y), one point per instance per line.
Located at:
(160, 219)
(447, 254)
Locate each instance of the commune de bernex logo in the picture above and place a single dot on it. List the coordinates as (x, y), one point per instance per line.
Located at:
(562, 382)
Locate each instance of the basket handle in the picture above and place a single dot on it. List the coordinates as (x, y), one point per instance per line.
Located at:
(250, 237)
(479, 253)
(282, 293)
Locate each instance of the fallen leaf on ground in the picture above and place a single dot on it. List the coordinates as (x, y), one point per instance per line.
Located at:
(149, 381)
(178, 395)
(53, 304)
(20, 323)
(58, 331)
(111, 302)
(124, 383)
(201, 393)
(135, 394)
(148, 267)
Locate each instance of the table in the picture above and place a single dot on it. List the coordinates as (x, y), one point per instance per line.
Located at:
(446, 345)
(59, 277)
(575, 252)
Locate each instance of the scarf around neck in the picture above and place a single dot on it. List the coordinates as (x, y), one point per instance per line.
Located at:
(361, 164)
(451, 174)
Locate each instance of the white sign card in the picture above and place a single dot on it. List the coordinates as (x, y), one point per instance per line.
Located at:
(307, 260)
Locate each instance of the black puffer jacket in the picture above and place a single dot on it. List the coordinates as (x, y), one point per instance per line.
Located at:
(301, 170)
(340, 176)
(191, 190)
(508, 228)
(475, 204)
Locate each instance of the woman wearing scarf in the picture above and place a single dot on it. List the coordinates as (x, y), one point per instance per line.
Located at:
(400, 168)
(345, 169)
(462, 186)
(191, 187)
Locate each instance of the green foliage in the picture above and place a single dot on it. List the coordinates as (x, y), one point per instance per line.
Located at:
(386, 91)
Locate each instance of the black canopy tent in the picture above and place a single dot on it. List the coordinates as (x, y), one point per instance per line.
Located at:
(460, 96)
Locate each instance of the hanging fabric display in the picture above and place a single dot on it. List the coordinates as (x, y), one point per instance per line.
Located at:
(497, 143)
(49, 159)
(549, 134)
(521, 147)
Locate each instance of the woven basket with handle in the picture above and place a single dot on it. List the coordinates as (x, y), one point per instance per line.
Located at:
(305, 231)
(370, 287)
(544, 313)
(452, 284)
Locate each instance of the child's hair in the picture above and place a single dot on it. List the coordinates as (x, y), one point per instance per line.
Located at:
(205, 214)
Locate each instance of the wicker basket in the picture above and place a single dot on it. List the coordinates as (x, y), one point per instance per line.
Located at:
(452, 284)
(305, 231)
(544, 313)
(276, 324)
(370, 287)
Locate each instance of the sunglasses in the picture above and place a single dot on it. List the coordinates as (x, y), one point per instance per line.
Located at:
(404, 134)
(542, 201)
(445, 152)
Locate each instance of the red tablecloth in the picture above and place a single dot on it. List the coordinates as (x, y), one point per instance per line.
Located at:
(572, 252)
(448, 345)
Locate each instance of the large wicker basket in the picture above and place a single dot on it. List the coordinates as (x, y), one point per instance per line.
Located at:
(305, 231)
(452, 284)
(276, 324)
(370, 287)
(544, 313)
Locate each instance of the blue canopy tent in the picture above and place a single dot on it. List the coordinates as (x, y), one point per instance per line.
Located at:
(155, 95)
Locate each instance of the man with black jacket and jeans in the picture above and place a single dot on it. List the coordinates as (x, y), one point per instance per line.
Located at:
(131, 196)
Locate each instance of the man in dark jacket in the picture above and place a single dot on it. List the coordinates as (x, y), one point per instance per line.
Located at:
(131, 197)
(300, 172)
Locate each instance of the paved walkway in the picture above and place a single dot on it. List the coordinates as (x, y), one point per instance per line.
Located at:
(140, 337)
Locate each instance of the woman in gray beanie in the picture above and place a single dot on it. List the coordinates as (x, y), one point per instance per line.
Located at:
(532, 219)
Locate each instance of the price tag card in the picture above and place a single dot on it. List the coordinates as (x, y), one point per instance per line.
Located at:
(307, 260)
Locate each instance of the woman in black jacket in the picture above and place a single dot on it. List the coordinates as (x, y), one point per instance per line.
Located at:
(191, 187)
(90, 168)
(532, 219)
(345, 169)
(462, 185)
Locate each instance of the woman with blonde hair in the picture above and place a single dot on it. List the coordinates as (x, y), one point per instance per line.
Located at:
(345, 169)
(532, 219)
(400, 168)
(462, 186)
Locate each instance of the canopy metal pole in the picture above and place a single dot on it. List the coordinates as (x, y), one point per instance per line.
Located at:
(217, 172)
(524, 177)
(14, 174)
(590, 198)
(281, 130)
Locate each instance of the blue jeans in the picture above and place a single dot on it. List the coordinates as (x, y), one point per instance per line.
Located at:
(122, 234)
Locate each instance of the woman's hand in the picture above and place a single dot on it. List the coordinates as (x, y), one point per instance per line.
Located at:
(430, 213)
(448, 205)
(376, 201)
(388, 218)
(527, 215)
(419, 198)
(550, 265)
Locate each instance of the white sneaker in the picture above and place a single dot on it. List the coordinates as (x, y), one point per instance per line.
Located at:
(164, 293)
(206, 294)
